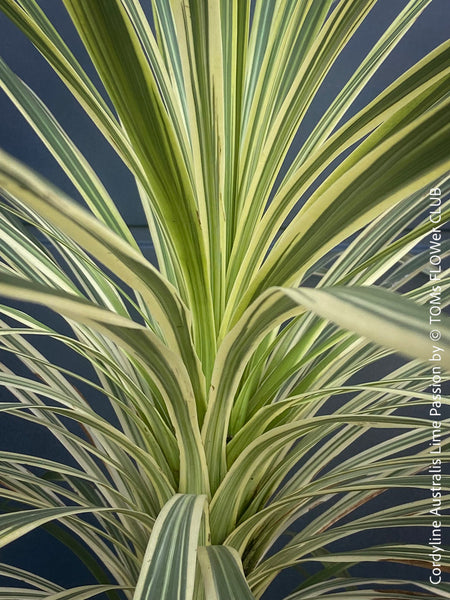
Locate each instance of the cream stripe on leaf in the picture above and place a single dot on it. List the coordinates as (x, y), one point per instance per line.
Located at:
(130, 83)
(421, 80)
(169, 566)
(335, 33)
(223, 575)
(381, 316)
(166, 367)
(86, 591)
(171, 314)
(409, 159)
(29, 17)
(64, 151)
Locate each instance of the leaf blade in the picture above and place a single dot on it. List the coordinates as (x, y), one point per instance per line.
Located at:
(168, 569)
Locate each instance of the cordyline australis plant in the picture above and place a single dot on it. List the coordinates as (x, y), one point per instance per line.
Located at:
(221, 363)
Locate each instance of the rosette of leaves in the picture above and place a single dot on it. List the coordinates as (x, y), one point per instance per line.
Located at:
(236, 368)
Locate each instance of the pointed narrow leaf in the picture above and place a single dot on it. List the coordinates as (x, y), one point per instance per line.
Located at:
(65, 152)
(169, 372)
(384, 317)
(122, 259)
(85, 592)
(223, 575)
(168, 569)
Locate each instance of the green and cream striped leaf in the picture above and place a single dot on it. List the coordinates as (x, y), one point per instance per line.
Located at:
(359, 79)
(123, 68)
(169, 311)
(97, 287)
(149, 427)
(378, 247)
(112, 440)
(423, 76)
(169, 566)
(288, 32)
(365, 403)
(85, 592)
(30, 18)
(30, 259)
(107, 543)
(322, 589)
(385, 318)
(65, 152)
(298, 344)
(172, 94)
(410, 514)
(47, 490)
(272, 414)
(241, 481)
(256, 534)
(392, 257)
(326, 452)
(222, 573)
(392, 553)
(80, 449)
(331, 449)
(412, 164)
(421, 81)
(79, 593)
(61, 472)
(332, 37)
(80, 274)
(169, 48)
(83, 452)
(29, 578)
(262, 530)
(118, 528)
(17, 524)
(133, 402)
(200, 51)
(381, 316)
(142, 496)
(166, 367)
(15, 593)
(235, 27)
(207, 108)
(351, 354)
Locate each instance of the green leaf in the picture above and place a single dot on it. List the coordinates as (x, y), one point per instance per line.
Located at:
(168, 568)
(115, 49)
(29, 17)
(30, 578)
(64, 151)
(217, 379)
(17, 524)
(169, 372)
(241, 481)
(269, 144)
(223, 574)
(424, 80)
(337, 583)
(379, 315)
(118, 256)
(14, 593)
(85, 591)
(375, 177)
